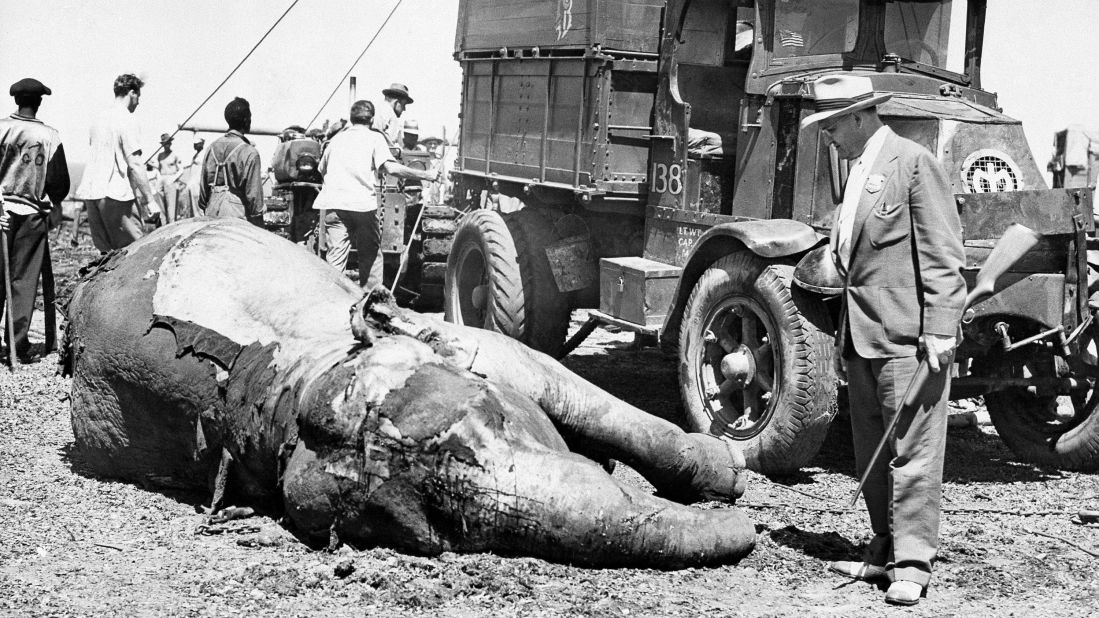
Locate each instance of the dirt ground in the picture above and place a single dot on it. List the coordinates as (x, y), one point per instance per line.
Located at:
(73, 544)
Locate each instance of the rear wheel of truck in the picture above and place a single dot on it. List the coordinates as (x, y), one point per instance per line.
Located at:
(1050, 430)
(755, 362)
(499, 278)
(546, 308)
(483, 286)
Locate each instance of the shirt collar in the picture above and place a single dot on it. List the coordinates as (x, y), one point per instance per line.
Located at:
(874, 145)
(18, 116)
(236, 133)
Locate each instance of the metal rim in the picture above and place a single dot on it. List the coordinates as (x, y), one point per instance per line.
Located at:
(738, 367)
(471, 286)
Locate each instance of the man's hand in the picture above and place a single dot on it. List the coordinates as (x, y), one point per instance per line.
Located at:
(839, 363)
(5, 221)
(939, 349)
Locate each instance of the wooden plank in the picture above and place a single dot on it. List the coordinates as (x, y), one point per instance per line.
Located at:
(1048, 212)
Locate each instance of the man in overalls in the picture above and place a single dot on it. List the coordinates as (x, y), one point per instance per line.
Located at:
(231, 184)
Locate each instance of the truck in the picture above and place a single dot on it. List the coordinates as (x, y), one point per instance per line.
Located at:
(644, 159)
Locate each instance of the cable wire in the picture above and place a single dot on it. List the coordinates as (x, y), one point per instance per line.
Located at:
(352, 67)
(227, 77)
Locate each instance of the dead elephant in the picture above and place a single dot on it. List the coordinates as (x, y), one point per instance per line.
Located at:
(214, 355)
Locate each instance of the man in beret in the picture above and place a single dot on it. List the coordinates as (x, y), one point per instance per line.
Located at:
(115, 185)
(387, 119)
(34, 178)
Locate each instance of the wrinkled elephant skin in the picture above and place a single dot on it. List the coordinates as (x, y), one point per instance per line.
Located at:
(212, 355)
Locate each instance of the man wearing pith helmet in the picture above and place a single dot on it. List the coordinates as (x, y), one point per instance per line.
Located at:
(896, 241)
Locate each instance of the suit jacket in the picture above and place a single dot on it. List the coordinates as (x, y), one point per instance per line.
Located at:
(904, 278)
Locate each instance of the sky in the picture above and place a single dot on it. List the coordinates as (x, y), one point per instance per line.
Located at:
(1043, 72)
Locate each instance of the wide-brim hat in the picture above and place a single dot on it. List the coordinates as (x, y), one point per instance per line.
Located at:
(165, 138)
(413, 127)
(397, 90)
(842, 94)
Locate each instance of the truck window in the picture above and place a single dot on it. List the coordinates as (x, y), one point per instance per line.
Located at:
(918, 30)
(813, 28)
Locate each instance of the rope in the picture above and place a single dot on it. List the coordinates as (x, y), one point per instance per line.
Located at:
(945, 509)
(352, 67)
(227, 77)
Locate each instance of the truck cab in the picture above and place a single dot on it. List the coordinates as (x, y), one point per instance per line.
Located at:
(673, 189)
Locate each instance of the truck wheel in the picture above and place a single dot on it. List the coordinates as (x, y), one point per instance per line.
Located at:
(1062, 432)
(547, 310)
(755, 362)
(483, 286)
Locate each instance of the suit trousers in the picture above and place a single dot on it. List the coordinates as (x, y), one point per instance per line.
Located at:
(27, 246)
(904, 490)
(113, 224)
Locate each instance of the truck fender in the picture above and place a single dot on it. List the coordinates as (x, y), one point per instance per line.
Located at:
(767, 238)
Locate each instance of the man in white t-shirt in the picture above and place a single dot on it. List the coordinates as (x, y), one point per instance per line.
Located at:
(115, 186)
(352, 165)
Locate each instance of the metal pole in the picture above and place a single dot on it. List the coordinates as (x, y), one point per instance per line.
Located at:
(9, 309)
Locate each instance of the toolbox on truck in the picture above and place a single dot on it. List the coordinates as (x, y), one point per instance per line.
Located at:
(636, 290)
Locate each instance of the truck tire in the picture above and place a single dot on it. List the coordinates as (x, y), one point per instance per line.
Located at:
(748, 341)
(1040, 431)
(546, 308)
(483, 286)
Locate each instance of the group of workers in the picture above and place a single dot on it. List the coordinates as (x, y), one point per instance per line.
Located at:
(224, 180)
(895, 240)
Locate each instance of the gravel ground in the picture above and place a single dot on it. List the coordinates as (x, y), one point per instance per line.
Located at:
(72, 543)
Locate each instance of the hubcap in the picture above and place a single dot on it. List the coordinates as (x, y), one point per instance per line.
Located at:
(473, 287)
(737, 370)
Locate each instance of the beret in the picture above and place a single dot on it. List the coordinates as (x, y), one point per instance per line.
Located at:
(29, 86)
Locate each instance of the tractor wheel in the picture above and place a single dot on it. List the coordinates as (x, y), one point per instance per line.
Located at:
(1058, 431)
(755, 362)
(547, 309)
(483, 286)
(429, 253)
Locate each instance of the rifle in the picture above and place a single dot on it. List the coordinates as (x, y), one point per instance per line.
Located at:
(9, 304)
(1014, 244)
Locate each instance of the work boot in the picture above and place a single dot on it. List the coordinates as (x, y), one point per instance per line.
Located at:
(855, 569)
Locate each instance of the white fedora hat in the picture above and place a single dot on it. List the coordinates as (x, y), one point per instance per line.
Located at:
(842, 94)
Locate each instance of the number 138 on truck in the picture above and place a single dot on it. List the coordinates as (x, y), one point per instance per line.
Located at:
(644, 159)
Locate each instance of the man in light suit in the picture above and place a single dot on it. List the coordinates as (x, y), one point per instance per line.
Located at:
(896, 240)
